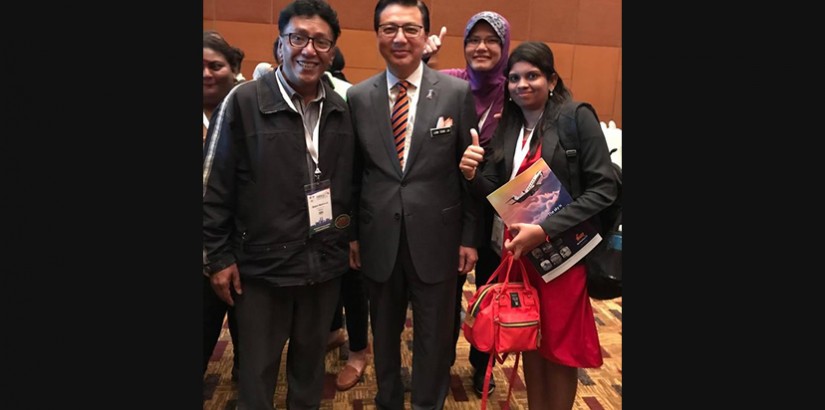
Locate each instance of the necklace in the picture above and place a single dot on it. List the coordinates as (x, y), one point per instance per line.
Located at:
(531, 128)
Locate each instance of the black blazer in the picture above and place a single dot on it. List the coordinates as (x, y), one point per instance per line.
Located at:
(599, 185)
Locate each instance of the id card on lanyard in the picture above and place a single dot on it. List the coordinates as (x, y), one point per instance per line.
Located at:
(522, 148)
(319, 204)
(318, 193)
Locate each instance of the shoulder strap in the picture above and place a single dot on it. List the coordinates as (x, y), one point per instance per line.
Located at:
(569, 139)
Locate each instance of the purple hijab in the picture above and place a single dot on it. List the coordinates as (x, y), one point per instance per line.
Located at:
(487, 86)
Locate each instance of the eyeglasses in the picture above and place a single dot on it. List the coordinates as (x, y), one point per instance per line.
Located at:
(489, 41)
(301, 41)
(410, 30)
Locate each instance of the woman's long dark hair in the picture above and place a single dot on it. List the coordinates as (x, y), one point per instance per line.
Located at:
(539, 55)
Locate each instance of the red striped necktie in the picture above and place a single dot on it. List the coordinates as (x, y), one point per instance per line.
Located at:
(400, 111)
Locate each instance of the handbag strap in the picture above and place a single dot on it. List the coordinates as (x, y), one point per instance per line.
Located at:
(489, 373)
(497, 356)
(485, 391)
(501, 266)
(509, 265)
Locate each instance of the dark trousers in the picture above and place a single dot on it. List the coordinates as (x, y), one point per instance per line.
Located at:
(488, 262)
(214, 311)
(432, 306)
(354, 300)
(271, 315)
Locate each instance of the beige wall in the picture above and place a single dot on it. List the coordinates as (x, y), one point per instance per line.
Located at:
(585, 36)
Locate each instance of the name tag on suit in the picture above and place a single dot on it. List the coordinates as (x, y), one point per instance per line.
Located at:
(442, 127)
(434, 132)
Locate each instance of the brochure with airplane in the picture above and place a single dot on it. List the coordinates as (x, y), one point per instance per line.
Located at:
(531, 197)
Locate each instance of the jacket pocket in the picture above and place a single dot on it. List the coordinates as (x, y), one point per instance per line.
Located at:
(364, 214)
(451, 214)
(252, 248)
(335, 246)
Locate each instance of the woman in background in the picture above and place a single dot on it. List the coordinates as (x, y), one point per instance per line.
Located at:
(221, 67)
(486, 47)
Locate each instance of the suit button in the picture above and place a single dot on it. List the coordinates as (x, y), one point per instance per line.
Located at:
(397, 216)
(403, 185)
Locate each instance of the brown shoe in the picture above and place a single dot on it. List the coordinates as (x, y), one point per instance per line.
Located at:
(348, 377)
(338, 341)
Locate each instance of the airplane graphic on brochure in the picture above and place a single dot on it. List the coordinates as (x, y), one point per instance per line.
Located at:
(533, 196)
(531, 188)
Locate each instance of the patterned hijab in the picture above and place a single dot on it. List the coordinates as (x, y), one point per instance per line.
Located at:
(488, 86)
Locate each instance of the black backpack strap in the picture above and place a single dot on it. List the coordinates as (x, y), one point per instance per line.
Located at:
(569, 139)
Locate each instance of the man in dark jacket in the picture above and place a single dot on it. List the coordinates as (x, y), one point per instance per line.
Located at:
(277, 190)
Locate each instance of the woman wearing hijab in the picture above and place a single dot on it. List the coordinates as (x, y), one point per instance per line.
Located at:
(486, 48)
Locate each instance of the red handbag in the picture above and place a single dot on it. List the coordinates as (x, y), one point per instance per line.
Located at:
(503, 318)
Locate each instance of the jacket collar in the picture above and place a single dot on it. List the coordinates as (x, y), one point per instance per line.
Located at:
(551, 115)
(549, 136)
(271, 100)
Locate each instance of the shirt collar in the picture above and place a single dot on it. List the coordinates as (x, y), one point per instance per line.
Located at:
(292, 93)
(414, 78)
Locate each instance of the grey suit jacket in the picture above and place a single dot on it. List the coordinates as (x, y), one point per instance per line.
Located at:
(438, 212)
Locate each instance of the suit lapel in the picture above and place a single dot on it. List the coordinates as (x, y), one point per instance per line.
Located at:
(550, 132)
(381, 106)
(510, 141)
(425, 115)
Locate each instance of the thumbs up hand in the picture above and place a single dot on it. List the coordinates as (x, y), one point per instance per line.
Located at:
(472, 157)
(434, 43)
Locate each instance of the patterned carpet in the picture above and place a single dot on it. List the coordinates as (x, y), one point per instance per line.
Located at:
(599, 389)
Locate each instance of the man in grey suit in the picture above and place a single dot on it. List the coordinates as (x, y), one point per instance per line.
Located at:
(417, 227)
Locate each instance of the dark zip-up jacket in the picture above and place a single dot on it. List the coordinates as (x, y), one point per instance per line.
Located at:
(255, 210)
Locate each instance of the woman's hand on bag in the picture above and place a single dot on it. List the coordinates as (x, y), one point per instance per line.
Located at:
(525, 238)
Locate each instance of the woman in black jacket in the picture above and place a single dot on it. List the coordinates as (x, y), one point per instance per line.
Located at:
(535, 95)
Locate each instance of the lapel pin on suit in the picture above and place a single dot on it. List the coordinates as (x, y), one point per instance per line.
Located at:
(430, 93)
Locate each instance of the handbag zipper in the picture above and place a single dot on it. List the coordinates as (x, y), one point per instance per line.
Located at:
(519, 324)
(474, 310)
